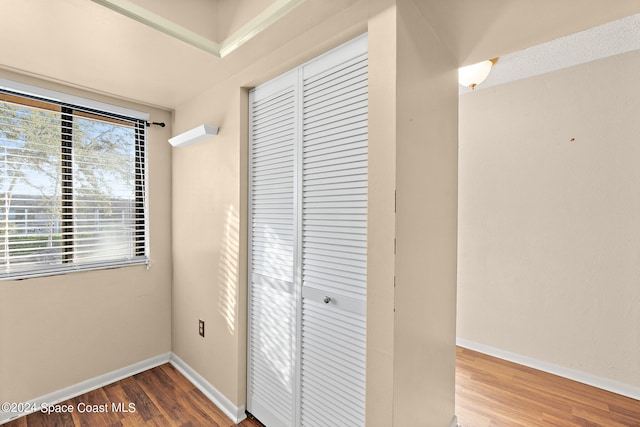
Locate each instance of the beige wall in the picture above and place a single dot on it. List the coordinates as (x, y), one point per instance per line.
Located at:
(382, 29)
(209, 194)
(199, 16)
(549, 234)
(61, 330)
(426, 224)
(234, 14)
(208, 281)
(209, 212)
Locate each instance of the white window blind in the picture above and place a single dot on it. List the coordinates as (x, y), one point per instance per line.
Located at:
(72, 188)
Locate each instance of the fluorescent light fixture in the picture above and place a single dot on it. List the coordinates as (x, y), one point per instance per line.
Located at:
(194, 135)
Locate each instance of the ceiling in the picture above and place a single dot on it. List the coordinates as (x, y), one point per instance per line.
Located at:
(613, 38)
(84, 44)
(87, 45)
(477, 30)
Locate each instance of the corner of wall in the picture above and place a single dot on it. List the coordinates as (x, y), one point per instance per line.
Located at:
(426, 222)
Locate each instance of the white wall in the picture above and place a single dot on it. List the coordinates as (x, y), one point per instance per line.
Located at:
(549, 219)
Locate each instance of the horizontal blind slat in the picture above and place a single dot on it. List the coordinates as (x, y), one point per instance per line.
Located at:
(87, 212)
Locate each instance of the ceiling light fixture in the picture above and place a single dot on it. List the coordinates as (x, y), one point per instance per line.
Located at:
(196, 134)
(472, 75)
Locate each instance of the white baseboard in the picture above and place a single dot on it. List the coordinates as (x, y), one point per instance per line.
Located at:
(88, 385)
(232, 411)
(572, 374)
(236, 413)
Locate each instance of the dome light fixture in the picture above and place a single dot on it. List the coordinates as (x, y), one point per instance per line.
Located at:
(472, 75)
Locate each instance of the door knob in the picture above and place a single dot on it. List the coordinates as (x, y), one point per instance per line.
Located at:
(327, 300)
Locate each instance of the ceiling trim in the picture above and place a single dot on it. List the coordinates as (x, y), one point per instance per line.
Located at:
(603, 41)
(157, 22)
(262, 21)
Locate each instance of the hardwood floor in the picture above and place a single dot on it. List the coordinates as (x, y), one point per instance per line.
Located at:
(162, 397)
(494, 392)
(489, 392)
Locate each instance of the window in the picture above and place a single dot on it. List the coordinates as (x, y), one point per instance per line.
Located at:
(73, 187)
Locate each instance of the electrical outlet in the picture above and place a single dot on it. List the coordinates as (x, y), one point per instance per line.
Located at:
(201, 327)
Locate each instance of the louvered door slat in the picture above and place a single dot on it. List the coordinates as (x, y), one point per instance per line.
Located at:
(336, 259)
(332, 381)
(336, 182)
(334, 241)
(331, 104)
(339, 80)
(347, 152)
(334, 130)
(308, 166)
(272, 352)
(339, 111)
(335, 148)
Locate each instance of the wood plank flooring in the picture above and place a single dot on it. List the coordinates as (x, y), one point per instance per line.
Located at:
(162, 397)
(489, 393)
(494, 392)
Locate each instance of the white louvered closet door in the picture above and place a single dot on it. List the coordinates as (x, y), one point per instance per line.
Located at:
(272, 343)
(334, 237)
(307, 243)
